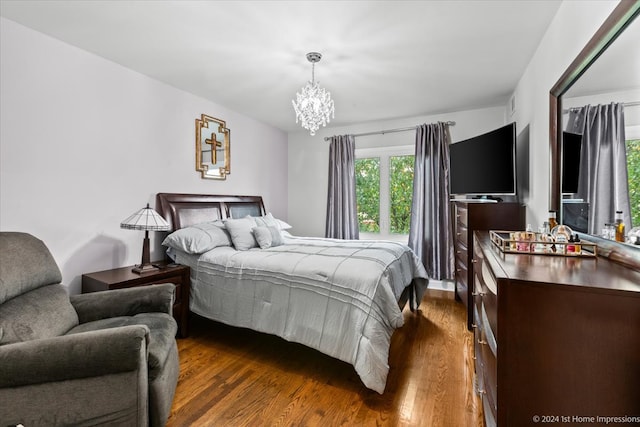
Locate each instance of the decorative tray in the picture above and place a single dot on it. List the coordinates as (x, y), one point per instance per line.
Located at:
(528, 242)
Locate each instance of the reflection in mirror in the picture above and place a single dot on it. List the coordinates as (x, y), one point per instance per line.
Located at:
(604, 78)
(213, 143)
(600, 162)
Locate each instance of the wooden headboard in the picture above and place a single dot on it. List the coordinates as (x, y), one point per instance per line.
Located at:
(183, 210)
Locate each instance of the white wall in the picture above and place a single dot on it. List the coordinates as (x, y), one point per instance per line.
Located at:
(309, 158)
(85, 142)
(574, 24)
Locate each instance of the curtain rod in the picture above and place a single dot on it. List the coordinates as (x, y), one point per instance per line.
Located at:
(382, 132)
(626, 104)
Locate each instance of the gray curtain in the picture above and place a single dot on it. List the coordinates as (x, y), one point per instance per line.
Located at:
(603, 178)
(430, 233)
(342, 214)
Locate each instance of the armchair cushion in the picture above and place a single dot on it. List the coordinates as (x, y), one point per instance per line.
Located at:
(162, 327)
(95, 378)
(42, 313)
(26, 264)
(69, 357)
(124, 302)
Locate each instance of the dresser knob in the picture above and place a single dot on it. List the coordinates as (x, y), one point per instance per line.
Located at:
(474, 260)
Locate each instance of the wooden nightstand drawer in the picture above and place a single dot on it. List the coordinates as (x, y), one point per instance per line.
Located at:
(119, 278)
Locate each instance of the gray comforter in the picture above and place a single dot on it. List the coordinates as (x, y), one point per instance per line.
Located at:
(339, 297)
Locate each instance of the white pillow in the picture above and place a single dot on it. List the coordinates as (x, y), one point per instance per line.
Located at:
(198, 238)
(268, 220)
(240, 232)
(268, 237)
(283, 225)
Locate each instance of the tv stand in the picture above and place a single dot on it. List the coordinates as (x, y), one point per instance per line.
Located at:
(497, 199)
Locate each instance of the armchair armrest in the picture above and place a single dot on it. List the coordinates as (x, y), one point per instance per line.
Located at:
(124, 302)
(67, 357)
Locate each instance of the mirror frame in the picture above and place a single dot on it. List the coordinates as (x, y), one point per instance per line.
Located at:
(619, 19)
(203, 123)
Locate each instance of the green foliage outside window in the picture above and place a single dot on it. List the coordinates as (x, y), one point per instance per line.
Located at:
(633, 171)
(400, 193)
(368, 194)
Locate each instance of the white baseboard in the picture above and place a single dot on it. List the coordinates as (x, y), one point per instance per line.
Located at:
(442, 285)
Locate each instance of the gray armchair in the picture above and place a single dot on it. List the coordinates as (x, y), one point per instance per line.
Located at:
(105, 358)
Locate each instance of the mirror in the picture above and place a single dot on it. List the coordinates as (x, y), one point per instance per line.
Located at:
(577, 78)
(213, 143)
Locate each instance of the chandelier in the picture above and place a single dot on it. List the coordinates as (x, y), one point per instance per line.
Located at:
(313, 105)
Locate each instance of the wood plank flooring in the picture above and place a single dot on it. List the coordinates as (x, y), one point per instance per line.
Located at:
(237, 377)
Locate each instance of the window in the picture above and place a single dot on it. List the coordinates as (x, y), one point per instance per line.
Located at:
(633, 172)
(384, 189)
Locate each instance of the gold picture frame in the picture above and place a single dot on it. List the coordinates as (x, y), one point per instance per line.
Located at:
(213, 148)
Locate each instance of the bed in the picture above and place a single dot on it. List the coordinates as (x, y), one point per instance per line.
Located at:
(341, 297)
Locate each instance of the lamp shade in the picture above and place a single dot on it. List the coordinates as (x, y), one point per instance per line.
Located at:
(145, 219)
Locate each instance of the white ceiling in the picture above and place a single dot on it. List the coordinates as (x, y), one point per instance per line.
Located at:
(381, 59)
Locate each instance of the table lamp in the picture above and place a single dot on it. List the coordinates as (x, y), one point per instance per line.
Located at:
(145, 219)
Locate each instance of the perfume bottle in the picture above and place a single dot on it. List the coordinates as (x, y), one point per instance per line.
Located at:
(571, 247)
(619, 226)
(552, 220)
(577, 246)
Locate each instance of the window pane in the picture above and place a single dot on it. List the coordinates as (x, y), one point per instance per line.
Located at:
(633, 171)
(368, 194)
(400, 193)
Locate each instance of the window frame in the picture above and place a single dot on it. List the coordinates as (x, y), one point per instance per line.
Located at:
(384, 154)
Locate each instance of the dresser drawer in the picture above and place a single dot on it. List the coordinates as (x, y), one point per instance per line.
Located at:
(462, 235)
(462, 274)
(489, 296)
(477, 338)
(489, 414)
(462, 215)
(461, 253)
(489, 372)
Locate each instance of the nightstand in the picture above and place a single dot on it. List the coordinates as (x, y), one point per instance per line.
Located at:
(119, 278)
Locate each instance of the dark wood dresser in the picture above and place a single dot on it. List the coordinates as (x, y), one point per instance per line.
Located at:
(469, 216)
(557, 339)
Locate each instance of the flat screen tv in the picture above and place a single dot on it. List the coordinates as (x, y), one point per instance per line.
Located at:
(484, 165)
(571, 147)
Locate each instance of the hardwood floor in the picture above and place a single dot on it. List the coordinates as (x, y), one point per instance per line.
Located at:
(237, 377)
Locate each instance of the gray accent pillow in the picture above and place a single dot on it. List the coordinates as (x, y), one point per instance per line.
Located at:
(240, 232)
(198, 238)
(268, 237)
